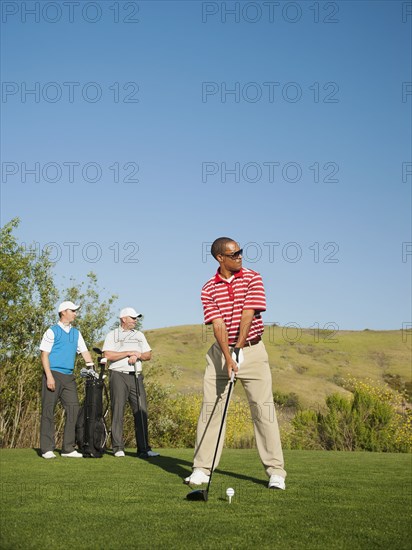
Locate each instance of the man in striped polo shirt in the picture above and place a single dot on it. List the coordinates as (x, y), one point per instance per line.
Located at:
(58, 348)
(233, 301)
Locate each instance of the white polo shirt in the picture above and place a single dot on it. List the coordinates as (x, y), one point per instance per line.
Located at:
(125, 340)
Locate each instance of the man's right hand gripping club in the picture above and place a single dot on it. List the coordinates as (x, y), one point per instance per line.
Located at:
(237, 358)
(233, 360)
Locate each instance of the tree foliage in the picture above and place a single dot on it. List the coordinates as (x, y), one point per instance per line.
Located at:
(27, 296)
(28, 305)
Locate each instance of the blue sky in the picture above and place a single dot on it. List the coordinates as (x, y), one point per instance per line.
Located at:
(285, 125)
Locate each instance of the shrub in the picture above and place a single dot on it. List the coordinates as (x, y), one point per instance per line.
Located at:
(289, 400)
(239, 429)
(304, 433)
(173, 419)
(336, 427)
(396, 382)
(375, 419)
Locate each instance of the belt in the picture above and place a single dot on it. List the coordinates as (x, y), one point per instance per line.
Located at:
(251, 342)
(254, 341)
(125, 371)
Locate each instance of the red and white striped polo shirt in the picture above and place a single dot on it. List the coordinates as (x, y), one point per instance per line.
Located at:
(227, 300)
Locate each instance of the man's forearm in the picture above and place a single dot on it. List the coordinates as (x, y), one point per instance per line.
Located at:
(244, 328)
(50, 382)
(46, 364)
(222, 337)
(117, 355)
(87, 357)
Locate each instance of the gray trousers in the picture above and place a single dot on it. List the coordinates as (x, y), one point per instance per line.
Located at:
(122, 390)
(66, 393)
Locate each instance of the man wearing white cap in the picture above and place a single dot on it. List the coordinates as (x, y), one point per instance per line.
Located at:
(126, 348)
(58, 348)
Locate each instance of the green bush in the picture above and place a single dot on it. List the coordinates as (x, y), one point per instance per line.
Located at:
(304, 434)
(396, 382)
(373, 419)
(376, 418)
(336, 427)
(173, 419)
(288, 400)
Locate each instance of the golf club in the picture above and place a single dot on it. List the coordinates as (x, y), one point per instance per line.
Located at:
(202, 494)
(101, 361)
(88, 373)
(139, 406)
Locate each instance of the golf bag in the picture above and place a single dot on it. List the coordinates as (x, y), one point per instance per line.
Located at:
(91, 431)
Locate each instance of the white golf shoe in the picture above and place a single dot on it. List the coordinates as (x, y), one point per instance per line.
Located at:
(151, 454)
(197, 477)
(73, 454)
(119, 453)
(276, 482)
(48, 454)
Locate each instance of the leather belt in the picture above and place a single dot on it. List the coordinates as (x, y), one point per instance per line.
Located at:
(254, 341)
(251, 342)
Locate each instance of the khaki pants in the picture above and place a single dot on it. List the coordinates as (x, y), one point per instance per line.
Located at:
(255, 375)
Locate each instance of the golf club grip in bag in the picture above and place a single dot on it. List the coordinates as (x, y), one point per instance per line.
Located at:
(90, 427)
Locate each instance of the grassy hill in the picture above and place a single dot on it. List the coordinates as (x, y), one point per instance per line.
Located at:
(310, 363)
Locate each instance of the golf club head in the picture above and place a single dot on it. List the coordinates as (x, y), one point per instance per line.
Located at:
(88, 373)
(198, 494)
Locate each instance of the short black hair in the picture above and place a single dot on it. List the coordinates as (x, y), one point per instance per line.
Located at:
(219, 246)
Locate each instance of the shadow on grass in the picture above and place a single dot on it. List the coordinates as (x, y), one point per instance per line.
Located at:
(170, 464)
(241, 477)
(183, 468)
(176, 466)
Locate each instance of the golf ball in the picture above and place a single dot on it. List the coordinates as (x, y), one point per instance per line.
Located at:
(230, 492)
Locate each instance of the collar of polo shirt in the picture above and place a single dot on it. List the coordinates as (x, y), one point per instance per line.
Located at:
(219, 278)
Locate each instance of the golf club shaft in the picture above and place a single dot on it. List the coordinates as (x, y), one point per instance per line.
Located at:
(139, 405)
(232, 380)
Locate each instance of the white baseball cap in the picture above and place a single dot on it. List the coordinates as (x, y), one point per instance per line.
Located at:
(67, 305)
(129, 312)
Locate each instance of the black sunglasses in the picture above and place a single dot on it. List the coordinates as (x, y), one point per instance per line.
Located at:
(235, 254)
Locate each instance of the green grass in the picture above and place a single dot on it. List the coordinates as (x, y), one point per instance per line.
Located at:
(333, 500)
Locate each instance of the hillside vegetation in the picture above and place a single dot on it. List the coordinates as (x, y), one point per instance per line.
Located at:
(309, 363)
